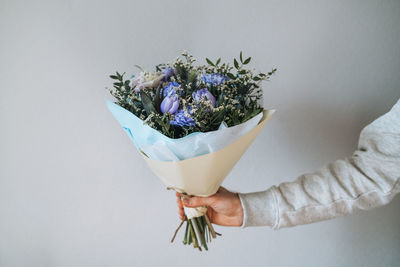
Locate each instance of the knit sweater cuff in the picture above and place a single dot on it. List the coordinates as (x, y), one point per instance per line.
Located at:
(259, 208)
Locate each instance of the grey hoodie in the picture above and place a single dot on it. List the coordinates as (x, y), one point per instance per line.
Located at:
(368, 179)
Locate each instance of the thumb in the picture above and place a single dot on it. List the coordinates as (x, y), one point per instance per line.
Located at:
(193, 202)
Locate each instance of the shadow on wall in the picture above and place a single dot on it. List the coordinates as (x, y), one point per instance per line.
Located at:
(374, 232)
(327, 131)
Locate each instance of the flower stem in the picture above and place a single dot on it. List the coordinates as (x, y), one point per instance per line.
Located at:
(185, 239)
(176, 231)
(196, 230)
(190, 235)
(193, 234)
(210, 226)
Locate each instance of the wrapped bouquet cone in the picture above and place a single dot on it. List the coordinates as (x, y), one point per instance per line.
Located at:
(202, 175)
(207, 160)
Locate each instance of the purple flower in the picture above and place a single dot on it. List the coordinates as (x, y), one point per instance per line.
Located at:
(169, 88)
(168, 72)
(182, 119)
(203, 94)
(170, 104)
(214, 79)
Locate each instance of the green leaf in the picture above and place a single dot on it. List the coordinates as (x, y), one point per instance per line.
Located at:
(247, 61)
(230, 75)
(140, 68)
(147, 103)
(257, 78)
(236, 63)
(209, 62)
(220, 99)
(218, 61)
(192, 77)
(272, 72)
(158, 67)
(181, 71)
(241, 57)
(114, 77)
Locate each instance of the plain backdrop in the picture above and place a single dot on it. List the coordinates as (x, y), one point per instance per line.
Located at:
(75, 192)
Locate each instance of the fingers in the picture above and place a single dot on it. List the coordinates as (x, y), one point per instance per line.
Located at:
(180, 206)
(194, 202)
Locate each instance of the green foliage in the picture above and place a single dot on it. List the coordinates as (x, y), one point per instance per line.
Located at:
(147, 103)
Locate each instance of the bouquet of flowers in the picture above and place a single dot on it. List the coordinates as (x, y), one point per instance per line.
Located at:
(192, 123)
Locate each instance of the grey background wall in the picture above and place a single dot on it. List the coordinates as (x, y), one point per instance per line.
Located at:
(73, 189)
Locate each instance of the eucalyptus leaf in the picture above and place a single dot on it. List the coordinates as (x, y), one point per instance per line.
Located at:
(230, 75)
(210, 62)
(147, 103)
(236, 63)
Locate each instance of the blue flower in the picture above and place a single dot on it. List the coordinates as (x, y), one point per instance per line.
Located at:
(214, 79)
(182, 120)
(203, 94)
(168, 72)
(170, 88)
(170, 103)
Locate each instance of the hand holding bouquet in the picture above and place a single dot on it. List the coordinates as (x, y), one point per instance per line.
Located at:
(192, 123)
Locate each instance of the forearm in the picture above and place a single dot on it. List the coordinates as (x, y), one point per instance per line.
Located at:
(368, 179)
(338, 189)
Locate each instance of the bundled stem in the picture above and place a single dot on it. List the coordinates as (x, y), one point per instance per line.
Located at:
(199, 231)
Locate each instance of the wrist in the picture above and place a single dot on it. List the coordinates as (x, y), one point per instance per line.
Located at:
(238, 210)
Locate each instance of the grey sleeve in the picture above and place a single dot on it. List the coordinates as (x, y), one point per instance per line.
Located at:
(369, 178)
